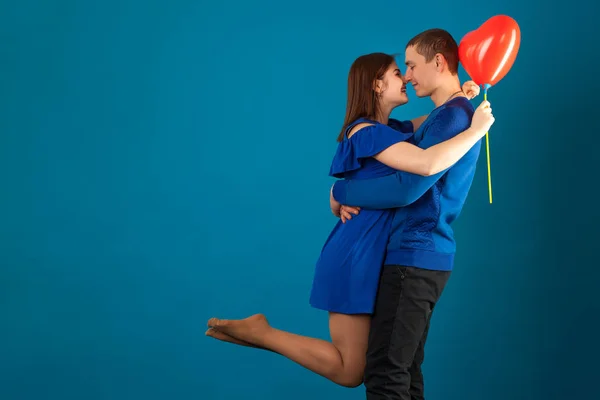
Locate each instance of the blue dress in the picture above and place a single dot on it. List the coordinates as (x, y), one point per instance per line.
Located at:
(347, 272)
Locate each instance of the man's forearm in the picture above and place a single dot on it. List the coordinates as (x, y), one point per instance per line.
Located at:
(391, 191)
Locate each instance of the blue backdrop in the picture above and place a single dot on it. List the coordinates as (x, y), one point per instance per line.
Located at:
(163, 162)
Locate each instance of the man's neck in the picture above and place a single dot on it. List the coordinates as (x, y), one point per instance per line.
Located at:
(445, 92)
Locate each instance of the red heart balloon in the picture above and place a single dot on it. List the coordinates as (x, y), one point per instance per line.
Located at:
(489, 52)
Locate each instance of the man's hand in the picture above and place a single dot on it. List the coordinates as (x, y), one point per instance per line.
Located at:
(347, 211)
(340, 211)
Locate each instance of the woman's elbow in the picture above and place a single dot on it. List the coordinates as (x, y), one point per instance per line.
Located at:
(428, 169)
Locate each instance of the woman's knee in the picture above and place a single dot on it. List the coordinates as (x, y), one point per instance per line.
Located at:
(351, 380)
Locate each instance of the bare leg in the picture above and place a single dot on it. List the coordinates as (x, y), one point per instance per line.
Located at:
(342, 360)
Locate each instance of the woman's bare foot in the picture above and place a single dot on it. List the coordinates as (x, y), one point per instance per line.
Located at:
(213, 333)
(250, 330)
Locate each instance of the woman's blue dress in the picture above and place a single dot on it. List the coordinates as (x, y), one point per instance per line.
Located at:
(347, 272)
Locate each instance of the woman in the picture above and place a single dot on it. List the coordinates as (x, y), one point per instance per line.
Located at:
(347, 272)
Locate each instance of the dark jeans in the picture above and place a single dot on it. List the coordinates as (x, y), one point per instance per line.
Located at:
(399, 327)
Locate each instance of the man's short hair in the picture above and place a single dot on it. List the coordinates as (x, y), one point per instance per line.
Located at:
(434, 41)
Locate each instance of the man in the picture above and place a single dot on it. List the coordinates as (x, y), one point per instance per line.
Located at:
(420, 252)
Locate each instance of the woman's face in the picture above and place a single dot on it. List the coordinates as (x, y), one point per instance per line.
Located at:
(392, 87)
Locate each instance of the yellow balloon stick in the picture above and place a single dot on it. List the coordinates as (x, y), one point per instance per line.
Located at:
(487, 146)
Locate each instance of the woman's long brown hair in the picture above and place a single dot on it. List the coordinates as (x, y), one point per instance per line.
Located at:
(362, 99)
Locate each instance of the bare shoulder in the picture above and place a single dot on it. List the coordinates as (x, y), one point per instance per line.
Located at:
(358, 127)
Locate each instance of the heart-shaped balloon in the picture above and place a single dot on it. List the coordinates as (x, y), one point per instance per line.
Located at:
(489, 52)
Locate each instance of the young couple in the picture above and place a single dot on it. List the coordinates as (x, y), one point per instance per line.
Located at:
(386, 262)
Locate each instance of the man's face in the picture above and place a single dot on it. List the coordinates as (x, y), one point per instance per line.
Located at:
(422, 75)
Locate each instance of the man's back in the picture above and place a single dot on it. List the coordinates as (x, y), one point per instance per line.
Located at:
(422, 234)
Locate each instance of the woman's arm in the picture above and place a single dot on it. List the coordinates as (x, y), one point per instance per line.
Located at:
(407, 157)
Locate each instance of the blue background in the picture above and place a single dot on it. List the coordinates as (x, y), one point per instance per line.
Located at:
(163, 162)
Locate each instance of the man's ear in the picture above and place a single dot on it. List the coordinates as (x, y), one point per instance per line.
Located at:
(440, 62)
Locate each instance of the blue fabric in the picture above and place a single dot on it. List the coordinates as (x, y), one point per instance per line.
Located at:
(354, 153)
(347, 271)
(422, 235)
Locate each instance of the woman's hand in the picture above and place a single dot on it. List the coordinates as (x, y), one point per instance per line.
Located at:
(471, 89)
